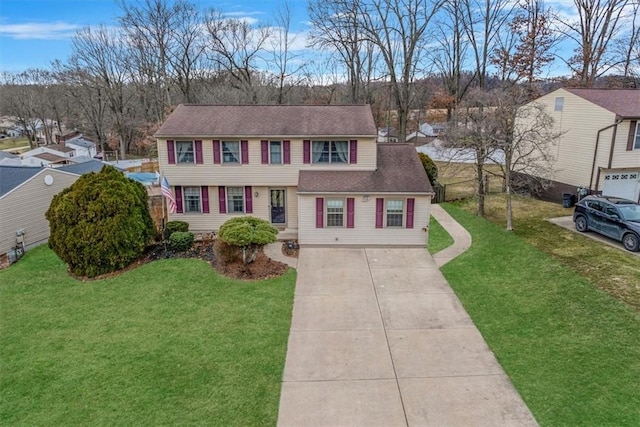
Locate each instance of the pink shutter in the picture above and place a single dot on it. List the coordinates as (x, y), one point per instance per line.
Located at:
(379, 212)
(205, 198)
(286, 150)
(179, 199)
(350, 212)
(264, 151)
(307, 151)
(198, 145)
(410, 206)
(216, 152)
(248, 201)
(244, 151)
(171, 152)
(319, 212)
(222, 200)
(353, 151)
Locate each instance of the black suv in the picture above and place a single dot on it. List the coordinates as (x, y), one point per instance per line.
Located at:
(613, 217)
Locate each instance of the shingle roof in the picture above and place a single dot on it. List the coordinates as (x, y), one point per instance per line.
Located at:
(268, 120)
(84, 167)
(399, 171)
(81, 142)
(59, 147)
(13, 176)
(623, 102)
(7, 155)
(50, 157)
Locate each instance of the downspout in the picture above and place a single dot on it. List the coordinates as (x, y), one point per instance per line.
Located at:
(595, 151)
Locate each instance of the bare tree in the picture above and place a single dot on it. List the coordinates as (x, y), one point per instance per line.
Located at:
(627, 46)
(399, 29)
(592, 33)
(235, 46)
(101, 54)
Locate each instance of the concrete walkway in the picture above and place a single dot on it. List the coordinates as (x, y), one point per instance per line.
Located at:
(461, 237)
(378, 338)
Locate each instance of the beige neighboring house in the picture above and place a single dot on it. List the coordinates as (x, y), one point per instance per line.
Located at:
(315, 172)
(599, 148)
(25, 195)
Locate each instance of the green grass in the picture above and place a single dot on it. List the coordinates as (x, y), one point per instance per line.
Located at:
(9, 143)
(571, 350)
(168, 343)
(439, 239)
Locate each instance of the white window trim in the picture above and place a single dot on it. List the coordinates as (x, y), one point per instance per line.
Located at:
(636, 141)
(326, 213)
(330, 162)
(193, 151)
(185, 204)
(222, 143)
(228, 201)
(281, 152)
(404, 213)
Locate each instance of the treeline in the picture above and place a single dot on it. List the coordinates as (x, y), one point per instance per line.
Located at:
(120, 82)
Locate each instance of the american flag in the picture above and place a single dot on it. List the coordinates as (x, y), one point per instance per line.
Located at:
(166, 192)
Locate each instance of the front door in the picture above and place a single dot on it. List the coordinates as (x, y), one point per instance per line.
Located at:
(277, 203)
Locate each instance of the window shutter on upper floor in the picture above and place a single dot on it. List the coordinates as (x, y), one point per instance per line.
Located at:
(353, 151)
(286, 151)
(222, 200)
(306, 145)
(244, 151)
(319, 212)
(171, 152)
(248, 200)
(350, 212)
(178, 189)
(379, 212)
(216, 152)
(410, 208)
(205, 198)
(632, 134)
(264, 151)
(198, 149)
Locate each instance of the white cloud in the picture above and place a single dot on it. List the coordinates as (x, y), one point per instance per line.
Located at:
(39, 30)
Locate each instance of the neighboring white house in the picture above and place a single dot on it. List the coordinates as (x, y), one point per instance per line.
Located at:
(599, 145)
(82, 146)
(314, 171)
(48, 155)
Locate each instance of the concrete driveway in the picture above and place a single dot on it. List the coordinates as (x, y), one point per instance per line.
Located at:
(567, 222)
(378, 338)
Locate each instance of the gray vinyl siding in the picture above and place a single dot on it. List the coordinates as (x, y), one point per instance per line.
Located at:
(364, 232)
(24, 208)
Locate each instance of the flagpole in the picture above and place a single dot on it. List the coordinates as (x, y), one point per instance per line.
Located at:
(162, 224)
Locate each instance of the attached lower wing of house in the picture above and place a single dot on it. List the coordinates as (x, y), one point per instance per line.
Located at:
(315, 172)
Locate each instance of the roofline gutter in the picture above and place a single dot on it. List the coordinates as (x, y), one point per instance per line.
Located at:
(595, 151)
(365, 193)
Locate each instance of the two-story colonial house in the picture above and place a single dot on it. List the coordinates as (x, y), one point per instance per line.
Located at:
(599, 143)
(314, 171)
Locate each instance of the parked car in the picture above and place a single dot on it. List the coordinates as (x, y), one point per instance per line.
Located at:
(613, 217)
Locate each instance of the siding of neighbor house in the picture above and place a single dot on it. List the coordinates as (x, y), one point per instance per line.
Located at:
(365, 231)
(24, 208)
(579, 122)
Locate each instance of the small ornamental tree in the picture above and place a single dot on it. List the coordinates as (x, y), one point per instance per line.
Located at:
(101, 223)
(248, 233)
(430, 167)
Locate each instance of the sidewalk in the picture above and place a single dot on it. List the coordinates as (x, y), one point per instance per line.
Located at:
(378, 338)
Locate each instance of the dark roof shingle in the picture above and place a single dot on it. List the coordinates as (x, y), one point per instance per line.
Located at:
(399, 171)
(13, 176)
(268, 120)
(623, 102)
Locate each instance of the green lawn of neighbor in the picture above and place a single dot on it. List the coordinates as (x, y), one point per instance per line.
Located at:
(570, 349)
(168, 343)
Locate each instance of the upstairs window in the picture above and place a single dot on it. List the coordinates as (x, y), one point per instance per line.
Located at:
(330, 152)
(230, 152)
(275, 152)
(636, 144)
(559, 103)
(185, 152)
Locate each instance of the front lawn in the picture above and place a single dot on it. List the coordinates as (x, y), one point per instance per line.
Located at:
(439, 239)
(571, 350)
(168, 343)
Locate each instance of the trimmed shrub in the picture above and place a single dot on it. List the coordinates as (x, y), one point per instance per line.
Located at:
(248, 233)
(429, 167)
(181, 241)
(173, 226)
(101, 223)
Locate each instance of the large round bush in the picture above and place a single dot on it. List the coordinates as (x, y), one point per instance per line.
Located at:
(101, 223)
